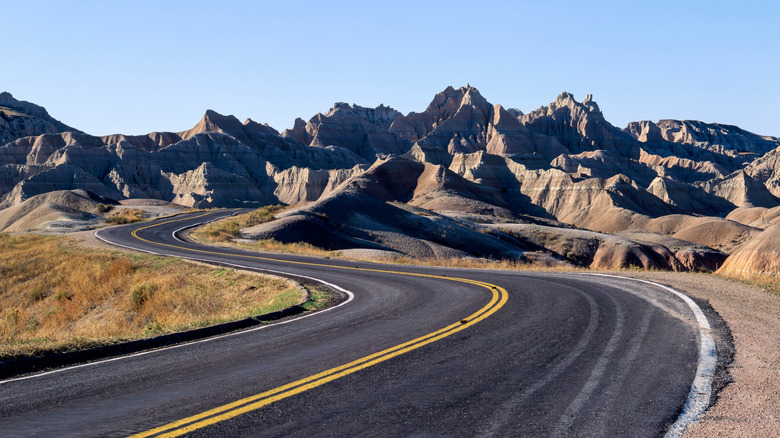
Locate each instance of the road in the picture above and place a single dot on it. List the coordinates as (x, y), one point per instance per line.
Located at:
(416, 351)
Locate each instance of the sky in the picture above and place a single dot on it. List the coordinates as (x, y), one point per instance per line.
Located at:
(134, 67)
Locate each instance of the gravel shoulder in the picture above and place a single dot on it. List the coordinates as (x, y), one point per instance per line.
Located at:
(749, 406)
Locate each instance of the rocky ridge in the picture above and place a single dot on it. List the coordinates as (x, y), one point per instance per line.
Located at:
(19, 118)
(557, 183)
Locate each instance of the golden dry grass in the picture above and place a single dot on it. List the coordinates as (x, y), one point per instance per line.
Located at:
(466, 263)
(229, 228)
(273, 245)
(57, 297)
(125, 216)
(11, 112)
(768, 283)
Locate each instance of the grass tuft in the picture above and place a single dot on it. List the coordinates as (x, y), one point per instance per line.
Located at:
(141, 294)
(37, 294)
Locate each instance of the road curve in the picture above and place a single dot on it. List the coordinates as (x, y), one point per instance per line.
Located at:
(414, 353)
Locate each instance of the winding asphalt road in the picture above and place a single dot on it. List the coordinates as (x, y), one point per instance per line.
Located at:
(412, 351)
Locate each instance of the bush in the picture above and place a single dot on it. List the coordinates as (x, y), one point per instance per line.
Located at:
(141, 294)
(103, 208)
(126, 216)
(118, 220)
(37, 294)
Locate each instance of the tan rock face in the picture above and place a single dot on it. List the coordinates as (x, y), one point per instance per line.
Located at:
(219, 162)
(759, 257)
(363, 131)
(714, 150)
(758, 217)
(562, 165)
(688, 198)
(741, 190)
(682, 169)
(23, 119)
(580, 127)
(706, 135)
(299, 185)
(766, 169)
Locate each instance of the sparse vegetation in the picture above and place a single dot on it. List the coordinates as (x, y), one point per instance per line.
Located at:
(125, 216)
(297, 247)
(104, 208)
(224, 230)
(55, 297)
(317, 299)
(768, 283)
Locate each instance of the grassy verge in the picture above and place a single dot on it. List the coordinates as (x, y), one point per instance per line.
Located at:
(769, 284)
(56, 297)
(123, 216)
(224, 230)
(276, 246)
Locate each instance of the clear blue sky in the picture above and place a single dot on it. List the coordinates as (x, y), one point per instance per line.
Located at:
(140, 66)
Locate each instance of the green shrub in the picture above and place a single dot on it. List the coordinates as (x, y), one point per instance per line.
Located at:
(141, 294)
(37, 294)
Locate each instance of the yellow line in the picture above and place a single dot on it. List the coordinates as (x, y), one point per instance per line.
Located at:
(257, 401)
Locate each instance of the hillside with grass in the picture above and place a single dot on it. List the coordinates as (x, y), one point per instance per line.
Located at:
(55, 296)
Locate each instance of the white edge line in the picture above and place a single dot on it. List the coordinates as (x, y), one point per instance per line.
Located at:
(350, 297)
(701, 389)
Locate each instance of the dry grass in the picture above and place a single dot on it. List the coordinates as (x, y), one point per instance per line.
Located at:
(57, 297)
(768, 283)
(12, 112)
(224, 230)
(273, 245)
(125, 216)
(466, 263)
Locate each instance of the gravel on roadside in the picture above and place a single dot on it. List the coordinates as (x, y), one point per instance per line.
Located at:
(749, 405)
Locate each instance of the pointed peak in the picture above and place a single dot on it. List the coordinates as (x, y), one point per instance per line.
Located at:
(564, 98)
(218, 122)
(567, 99)
(7, 97)
(31, 109)
(590, 103)
(213, 121)
(471, 96)
(299, 123)
(499, 112)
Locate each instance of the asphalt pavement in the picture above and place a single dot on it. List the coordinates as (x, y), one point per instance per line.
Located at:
(412, 351)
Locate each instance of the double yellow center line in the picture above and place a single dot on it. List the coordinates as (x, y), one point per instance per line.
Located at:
(257, 401)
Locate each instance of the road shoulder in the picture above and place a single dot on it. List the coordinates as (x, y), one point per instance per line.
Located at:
(749, 405)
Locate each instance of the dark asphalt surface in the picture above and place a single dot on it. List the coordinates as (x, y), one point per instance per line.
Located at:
(567, 355)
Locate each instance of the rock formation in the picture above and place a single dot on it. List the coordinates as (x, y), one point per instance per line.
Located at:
(23, 119)
(464, 177)
(758, 258)
(710, 136)
(219, 162)
(363, 131)
(766, 169)
(580, 127)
